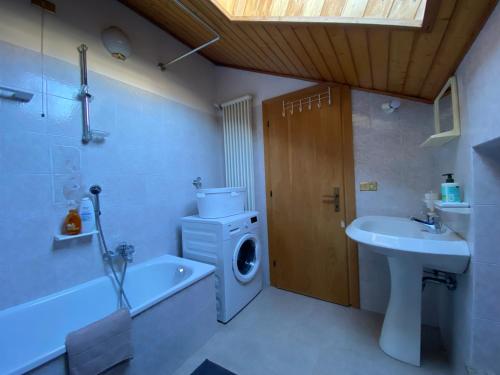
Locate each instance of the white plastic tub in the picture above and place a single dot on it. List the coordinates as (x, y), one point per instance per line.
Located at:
(221, 202)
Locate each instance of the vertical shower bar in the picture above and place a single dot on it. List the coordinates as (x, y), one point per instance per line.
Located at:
(84, 94)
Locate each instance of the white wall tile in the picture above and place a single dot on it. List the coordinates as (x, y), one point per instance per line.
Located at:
(486, 345)
(486, 302)
(487, 234)
(24, 152)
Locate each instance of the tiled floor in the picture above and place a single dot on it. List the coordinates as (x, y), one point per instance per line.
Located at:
(282, 333)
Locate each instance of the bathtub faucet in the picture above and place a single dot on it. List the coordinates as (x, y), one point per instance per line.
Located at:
(126, 251)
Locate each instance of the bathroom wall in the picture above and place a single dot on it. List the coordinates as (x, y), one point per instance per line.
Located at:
(402, 179)
(471, 315)
(158, 143)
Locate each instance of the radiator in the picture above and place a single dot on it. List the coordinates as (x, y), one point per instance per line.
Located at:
(238, 146)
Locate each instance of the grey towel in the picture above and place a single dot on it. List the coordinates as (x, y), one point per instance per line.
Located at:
(100, 345)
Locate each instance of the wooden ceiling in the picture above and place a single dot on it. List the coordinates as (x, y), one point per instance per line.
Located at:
(409, 13)
(401, 61)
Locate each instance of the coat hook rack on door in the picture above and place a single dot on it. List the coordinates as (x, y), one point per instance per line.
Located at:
(307, 101)
(163, 66)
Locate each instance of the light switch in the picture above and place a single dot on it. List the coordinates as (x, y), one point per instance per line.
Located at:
(368, 186)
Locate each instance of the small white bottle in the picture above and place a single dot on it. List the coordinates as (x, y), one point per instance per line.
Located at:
(87, 214)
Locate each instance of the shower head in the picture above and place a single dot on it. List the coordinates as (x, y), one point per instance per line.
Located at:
(95, 189)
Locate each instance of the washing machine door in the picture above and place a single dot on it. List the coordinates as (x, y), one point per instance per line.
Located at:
(246, 258)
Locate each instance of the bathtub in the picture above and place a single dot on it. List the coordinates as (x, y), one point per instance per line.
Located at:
(34, 333)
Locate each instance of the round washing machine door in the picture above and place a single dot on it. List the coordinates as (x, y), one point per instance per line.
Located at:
(246, 258)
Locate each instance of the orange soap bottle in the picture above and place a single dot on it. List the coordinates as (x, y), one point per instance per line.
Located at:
(72, 222)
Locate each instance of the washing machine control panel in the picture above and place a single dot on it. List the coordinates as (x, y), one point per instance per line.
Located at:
(244, 225)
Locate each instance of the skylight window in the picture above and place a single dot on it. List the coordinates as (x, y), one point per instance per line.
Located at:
(406, 13)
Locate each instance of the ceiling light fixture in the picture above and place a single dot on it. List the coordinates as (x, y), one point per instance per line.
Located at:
(116, 42)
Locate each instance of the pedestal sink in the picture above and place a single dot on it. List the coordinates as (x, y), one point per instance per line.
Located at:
(409, 248)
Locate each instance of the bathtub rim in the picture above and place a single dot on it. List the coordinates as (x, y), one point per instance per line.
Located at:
(200, 271)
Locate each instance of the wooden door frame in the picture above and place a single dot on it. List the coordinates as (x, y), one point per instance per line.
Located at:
(349, 182)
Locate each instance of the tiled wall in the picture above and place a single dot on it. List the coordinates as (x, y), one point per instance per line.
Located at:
(471, 315)
(386, 150)
(156, 147)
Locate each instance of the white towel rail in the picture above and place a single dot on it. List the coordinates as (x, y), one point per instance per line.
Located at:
(238, 145)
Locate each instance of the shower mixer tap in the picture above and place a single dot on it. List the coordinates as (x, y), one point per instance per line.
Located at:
(126, 251)
(197, 182)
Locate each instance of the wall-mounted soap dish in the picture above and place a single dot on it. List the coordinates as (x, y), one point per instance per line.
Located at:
(462, 208)
(66, 237)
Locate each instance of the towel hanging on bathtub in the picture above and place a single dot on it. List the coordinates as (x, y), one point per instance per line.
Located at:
(100, 345)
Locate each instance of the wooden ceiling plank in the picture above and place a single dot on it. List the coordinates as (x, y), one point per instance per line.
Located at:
(314, 54)
(399, 58)
(459, 37)
(326, 49)
(278, 8)
(294, 8)
(378, 43)
(272, 45)
(358, 42)
(227, 40)
(429, 14)
(188, 30)
(258, 46)
(295, 44)
(404, 9)
(339, 42)
(235, 7)
(162, 16)
(332, 8)
(276, 35)
(312, 8)
(238, 37)
(378, 9)
(228, 50)
(426, 47)
(228, 35)
(354, 8)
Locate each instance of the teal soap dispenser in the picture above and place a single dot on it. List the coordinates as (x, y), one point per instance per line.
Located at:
(450, 190)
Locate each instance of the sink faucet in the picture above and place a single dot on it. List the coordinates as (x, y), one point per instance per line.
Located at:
(432, 224)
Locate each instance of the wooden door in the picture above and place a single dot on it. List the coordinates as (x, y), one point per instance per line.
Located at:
(308, 160)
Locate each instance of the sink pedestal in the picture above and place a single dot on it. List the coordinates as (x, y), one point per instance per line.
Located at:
(400, 337)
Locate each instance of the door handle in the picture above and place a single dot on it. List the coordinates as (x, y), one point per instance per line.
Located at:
(335, 198)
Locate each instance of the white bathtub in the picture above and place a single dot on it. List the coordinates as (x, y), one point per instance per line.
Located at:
(34, 333)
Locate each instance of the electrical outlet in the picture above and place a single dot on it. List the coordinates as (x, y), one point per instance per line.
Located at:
(368, 186)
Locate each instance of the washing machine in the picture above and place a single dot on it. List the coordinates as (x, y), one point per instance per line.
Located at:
(232, 245)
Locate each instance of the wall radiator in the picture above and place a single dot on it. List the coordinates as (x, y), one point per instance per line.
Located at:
(238, 146)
